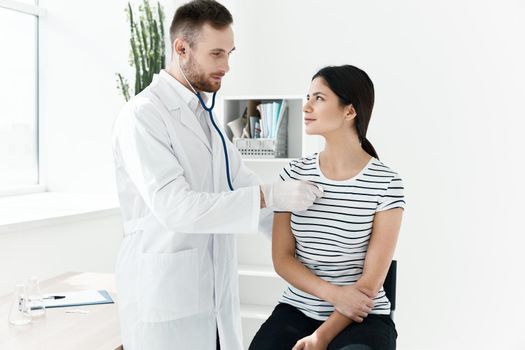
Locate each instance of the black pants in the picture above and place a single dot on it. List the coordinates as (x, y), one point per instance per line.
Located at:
(287, 325)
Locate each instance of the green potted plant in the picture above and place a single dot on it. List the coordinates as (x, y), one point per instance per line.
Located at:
(147, 47)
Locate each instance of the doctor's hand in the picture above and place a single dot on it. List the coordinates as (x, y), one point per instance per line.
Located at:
(290, 195)
(351, 302)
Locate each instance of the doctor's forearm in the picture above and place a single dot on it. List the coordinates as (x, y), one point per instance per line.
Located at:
(189, 211)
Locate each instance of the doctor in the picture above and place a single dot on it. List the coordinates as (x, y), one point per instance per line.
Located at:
(177, 267)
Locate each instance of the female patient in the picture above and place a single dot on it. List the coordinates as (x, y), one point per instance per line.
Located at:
(335, 256)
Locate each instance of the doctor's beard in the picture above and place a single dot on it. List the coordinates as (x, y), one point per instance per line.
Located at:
(199, 80)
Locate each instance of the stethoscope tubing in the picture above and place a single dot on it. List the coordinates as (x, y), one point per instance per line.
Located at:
(210, 112)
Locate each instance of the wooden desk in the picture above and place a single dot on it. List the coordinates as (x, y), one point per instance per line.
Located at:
(58, 330)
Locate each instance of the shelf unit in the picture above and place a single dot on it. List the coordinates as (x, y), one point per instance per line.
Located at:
(299, 144)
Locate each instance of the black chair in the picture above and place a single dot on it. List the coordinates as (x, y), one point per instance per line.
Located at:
(390, 286)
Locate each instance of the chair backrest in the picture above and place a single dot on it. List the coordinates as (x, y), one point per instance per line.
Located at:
(390, 285)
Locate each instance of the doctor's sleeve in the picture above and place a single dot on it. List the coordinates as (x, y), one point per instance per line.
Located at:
(243, 176)
(146, 154)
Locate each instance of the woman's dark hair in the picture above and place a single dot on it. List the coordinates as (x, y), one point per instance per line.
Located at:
(353, 86)
(190, 17)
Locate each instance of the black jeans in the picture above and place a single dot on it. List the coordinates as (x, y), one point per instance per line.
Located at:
(287, 325)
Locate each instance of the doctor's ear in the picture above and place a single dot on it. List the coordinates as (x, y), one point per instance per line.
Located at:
(179, 47)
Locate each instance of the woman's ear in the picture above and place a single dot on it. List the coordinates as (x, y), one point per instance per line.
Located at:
(350, 112)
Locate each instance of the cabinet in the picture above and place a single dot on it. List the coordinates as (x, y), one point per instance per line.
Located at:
(298, 143)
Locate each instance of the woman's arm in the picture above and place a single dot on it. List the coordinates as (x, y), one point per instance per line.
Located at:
(380, 250)
(377, 261)
(355, 303)
(286, 264)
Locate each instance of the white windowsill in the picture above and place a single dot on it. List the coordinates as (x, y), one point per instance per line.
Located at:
(50, 208)
(19, 190)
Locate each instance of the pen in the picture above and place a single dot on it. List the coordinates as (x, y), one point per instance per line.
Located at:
(55, 297)
(77, 311)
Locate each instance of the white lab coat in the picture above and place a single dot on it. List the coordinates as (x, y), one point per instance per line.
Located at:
(177, 268)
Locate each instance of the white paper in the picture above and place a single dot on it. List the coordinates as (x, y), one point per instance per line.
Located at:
(74, 298)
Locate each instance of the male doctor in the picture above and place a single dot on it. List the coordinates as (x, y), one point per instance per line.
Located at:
(177, 267)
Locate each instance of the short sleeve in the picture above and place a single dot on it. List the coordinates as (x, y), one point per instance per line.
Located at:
(393, 197)
(286, 173)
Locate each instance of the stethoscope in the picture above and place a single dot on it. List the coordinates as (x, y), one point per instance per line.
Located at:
(210, 113)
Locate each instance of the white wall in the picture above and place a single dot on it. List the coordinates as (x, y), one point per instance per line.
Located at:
(89, 245)
(450, 86)
(83, 45)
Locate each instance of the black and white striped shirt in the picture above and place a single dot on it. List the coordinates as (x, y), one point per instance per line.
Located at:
(332, 235)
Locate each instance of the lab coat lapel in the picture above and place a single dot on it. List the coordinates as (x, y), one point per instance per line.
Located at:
(172, 101)
(189, 119)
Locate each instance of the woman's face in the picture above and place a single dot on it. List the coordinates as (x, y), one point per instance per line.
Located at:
(323, 113)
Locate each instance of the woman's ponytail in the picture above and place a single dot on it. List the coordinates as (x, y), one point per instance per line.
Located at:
(365, 144)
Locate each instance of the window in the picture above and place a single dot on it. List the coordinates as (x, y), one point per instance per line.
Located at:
(18, 94)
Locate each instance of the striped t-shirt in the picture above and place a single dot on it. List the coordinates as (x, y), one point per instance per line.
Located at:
(332, 235)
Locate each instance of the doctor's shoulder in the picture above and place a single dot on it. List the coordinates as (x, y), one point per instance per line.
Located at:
(142, 109)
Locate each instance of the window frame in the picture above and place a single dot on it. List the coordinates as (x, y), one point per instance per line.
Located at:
(38, 13)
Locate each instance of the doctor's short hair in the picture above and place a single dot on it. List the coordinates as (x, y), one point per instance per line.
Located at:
(190, 17)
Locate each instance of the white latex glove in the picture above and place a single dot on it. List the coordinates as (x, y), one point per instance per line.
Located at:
(290, 195)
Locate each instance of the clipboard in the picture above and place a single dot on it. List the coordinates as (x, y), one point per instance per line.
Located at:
(79, 298)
